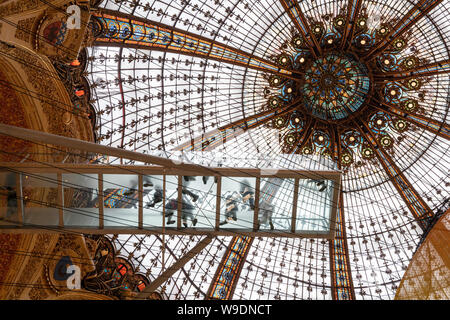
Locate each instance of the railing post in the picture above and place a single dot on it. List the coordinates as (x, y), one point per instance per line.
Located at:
(140, 202)
(60, 199)
(255, 214)
(218, 201)
(294, 205)
(20, 203)
(180, 198)
(100, 202)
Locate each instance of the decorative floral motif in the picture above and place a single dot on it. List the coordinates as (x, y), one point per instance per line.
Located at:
(11, 114)
(23, 29)
(113, 275)
(338, 89)
(335, 86)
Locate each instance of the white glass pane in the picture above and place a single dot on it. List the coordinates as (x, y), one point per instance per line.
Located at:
(8, 196)
(120, 200)
(199, 196)
(275, 204)
(171, 205)
(314, 205)
(153, 201)
(40, 199)
(80, 200)
(237, 203)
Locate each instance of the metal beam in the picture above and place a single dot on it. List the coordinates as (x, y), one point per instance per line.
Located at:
(229, 270)
(341, 276)
(65, 142)
(210, 140)
(353, 9)
(36, 168)
(8, 226)
(418, 207)
(427, 70)
(336, 146)
(422, 8)
(124, 30)
(174, 268)
(307, 132)
(301, 23)
(441, 129)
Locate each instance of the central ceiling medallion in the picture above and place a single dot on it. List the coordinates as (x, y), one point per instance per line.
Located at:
(339, 102)
(335, 86)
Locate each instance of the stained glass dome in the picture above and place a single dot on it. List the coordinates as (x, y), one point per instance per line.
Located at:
(335, 87)
(362, 85)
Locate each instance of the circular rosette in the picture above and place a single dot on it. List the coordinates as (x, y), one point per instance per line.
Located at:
(388, 62)
(279, 122)
(410, 105)
(112, 28)
(296, 120)
(367, 152)
(274, 102)
(399, 45)
(409, 62)
(383, 30)
(125, 30)
(362, 23)
(339, 22)
(386, 141)
(138, 33)
(276, 81)
(284, 60)
(413, 84)
(152, 37)
(318, 29)
(329, 39)
(351, 139)
(308, 149)
(300, 60)
(297, 42)
(379, 122)
(392, 92)
(347, 158)
(321, 139)
(400, 125)
(290, 139)
(288, 89)
(364, 40)
(335, 86)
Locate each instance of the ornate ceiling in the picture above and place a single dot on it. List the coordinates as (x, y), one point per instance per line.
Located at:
(372, 96)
